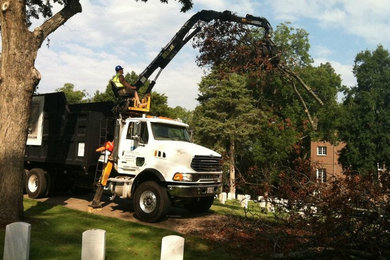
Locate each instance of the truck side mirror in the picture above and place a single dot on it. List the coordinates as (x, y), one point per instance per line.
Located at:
(137, 130)
(137, 133)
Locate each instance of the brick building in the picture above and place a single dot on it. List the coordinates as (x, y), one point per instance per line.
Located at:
(324, 159)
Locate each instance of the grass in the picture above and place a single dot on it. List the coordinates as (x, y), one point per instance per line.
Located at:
(233, 208)
(56, 233)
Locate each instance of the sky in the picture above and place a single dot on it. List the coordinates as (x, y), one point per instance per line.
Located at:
(86, 49)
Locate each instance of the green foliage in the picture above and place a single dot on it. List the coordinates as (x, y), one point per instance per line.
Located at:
(366, 120)
(105, 96)
(272, 128)
(73, 96)
(181, 113)
(326, 84)
(293, 44)
(226, 112)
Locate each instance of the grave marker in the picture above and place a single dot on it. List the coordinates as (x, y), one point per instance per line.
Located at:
(93, 244)
(17, 241)
(172, 248)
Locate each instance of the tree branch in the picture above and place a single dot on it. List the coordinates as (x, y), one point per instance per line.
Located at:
(304, 106)
(70, 9)
(291, 73)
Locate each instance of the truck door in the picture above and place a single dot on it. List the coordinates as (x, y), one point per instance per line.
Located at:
(131, 149)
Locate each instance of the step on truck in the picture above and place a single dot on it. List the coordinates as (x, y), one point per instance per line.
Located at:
(148, 159)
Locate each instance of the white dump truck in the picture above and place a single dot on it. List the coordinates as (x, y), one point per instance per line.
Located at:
(156, 166)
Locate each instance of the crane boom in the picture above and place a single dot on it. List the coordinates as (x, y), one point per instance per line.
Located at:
(182, 37)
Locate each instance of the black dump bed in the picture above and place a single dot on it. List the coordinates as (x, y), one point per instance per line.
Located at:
(67, 134)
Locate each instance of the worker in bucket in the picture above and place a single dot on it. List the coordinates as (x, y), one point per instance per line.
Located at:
(124, 88)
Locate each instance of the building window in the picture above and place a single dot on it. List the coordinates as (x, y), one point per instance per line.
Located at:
(321, 175)
(321, 150)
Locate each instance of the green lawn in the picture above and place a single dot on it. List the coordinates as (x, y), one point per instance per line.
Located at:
(233, 208)
(56, 233)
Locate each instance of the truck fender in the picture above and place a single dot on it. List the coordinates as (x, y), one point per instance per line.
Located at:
(147, 175)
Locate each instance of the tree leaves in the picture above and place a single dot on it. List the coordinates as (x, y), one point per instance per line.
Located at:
(366, 121)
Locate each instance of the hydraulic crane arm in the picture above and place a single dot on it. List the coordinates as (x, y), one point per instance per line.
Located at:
(182, 37)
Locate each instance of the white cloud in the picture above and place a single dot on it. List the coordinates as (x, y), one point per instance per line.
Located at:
(240, 7)
(321, 51)
(180, 83)
(345, 71)
(367, 19)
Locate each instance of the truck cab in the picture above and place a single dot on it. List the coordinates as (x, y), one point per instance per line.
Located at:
(157, 165)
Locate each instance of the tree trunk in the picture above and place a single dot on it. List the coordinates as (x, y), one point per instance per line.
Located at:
(18, 80)
(232, 166)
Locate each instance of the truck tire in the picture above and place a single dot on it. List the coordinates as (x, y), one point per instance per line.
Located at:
(150, 202)
(200, 205)
(36, 183)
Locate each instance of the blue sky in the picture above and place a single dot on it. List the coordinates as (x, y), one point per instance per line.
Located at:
(131, 33)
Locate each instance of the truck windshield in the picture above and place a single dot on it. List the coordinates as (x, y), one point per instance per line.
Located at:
(170, 132)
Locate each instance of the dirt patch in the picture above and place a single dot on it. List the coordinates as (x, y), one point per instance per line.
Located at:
(178, 219)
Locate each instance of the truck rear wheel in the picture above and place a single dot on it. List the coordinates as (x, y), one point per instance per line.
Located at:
(150, 201)
(200, 205)
(36, 183)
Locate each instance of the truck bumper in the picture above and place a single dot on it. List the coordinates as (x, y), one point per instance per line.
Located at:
(183, 191)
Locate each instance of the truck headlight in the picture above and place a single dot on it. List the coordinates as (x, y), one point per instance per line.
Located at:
(182, 176)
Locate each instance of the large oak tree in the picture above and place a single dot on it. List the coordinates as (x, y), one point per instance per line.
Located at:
(18, 81)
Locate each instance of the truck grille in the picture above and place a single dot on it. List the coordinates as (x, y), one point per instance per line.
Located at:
(206, 163)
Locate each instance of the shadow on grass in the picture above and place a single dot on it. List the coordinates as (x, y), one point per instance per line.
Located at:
(56, 233)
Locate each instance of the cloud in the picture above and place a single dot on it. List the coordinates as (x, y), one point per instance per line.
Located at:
(321, 51)
(81, 66)
(86, 49)
(241, 8)
(366, 19)
(345, 71)
(180, 83)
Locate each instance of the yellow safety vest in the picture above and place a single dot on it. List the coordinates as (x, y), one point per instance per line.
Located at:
(117, 81)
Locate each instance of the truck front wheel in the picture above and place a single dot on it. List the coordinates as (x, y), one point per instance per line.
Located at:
(151, 202)
(36, 183)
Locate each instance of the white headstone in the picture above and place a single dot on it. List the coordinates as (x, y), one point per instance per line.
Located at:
(245, 200)
(231, 196)
(172, 248)
(263, 204)
(17, 241)
(93, 245)
(222, 197)
(270, 206)
(240, 197)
